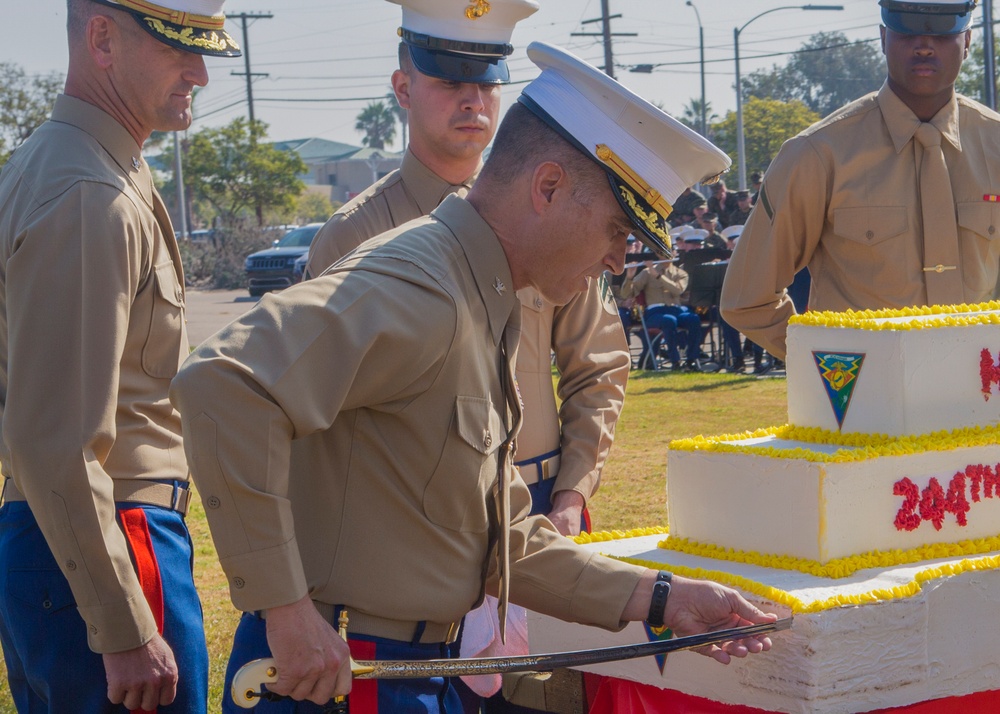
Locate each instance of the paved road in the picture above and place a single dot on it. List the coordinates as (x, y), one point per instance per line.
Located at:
(208, 311)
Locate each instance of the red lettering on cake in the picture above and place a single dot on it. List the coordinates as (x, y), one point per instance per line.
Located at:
(907, 518)
(955, 501)
(933, 503)
(989, 373)
(975, 474)
(991, 481)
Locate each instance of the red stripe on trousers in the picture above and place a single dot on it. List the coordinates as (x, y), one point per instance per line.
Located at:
(364, 692)
(136, 530)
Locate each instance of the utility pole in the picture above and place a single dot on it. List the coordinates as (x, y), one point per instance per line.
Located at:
(606, 33)
(244, 16)
(179, 181)
(989, 60)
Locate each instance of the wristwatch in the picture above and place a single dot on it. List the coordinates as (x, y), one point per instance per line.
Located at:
(661, 591)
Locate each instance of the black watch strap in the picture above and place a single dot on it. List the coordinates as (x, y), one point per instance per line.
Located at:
(661, 590)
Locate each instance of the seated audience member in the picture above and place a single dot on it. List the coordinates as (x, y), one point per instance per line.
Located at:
(692, 251)
(627, 306)
(709, 222)
(756, 179)
(661, 284)
(743, 208)
(684, 207)
(722, 202)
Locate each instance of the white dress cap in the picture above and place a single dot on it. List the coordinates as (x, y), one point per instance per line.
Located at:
(484, 21)
(650, 156)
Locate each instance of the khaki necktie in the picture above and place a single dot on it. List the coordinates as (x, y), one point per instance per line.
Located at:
(937, 206)
(505, 466)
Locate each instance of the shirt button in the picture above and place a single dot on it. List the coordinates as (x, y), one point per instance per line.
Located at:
(70, 565)
(992, 230)
(238, 583)
(488, 440)
(46, 604)
(870, 234)
(538, 302)
(213, 502)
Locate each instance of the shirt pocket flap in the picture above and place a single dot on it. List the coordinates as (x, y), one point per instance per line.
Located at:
(479, 424)
(167, 285)
(980, 217)
(869, 225)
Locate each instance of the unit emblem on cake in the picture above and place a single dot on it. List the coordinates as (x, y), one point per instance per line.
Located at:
(656, 634)
(840, 371)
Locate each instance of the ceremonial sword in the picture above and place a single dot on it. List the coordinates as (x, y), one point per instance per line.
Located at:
(247, 683)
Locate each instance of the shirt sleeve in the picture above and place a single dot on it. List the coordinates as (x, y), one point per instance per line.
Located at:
(70, 284)
(593, 361)
(333, 241)
(674, 282)
(553, 575)
(285, 370)
(779, 239)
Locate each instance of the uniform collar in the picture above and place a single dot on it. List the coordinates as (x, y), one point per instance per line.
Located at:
(109, 134)
(427, 188)
(486, 259)
(902, 122)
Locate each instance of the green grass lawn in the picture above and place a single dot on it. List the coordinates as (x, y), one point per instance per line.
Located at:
(659, 407)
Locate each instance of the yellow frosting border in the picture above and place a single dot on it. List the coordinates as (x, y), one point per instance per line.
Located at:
(856, 447)
(946, 316)
(839, 568)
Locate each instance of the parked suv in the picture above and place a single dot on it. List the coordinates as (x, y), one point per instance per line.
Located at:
(272, 269)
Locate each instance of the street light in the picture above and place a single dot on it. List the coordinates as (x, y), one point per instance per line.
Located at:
(701, 48)
(740, 144)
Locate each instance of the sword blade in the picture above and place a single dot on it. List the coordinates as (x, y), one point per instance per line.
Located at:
(246, 687)
(406, 669)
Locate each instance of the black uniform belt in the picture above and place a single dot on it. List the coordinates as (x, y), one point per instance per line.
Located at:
(148, 493)
(361, 623)
(539, 468)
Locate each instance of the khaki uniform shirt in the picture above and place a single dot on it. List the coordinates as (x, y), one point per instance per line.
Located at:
(663, 289)
(585, 334)
(409, 192)
(92, 331)
(843, 198)
(344, 436)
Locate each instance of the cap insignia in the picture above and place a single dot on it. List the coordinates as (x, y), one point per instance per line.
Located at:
(476, 9)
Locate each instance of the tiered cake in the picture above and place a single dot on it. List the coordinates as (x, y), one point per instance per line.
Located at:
(874, 518)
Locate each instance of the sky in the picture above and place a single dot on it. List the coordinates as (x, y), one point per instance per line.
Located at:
(326, 59)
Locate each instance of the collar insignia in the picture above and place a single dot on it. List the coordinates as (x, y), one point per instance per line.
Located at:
(499, 286)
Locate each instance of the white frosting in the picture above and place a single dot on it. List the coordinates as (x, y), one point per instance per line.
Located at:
(815, 510)
(914, 381)
(846, 659)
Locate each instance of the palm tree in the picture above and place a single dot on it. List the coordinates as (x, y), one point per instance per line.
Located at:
(400, 113)
(378, 123)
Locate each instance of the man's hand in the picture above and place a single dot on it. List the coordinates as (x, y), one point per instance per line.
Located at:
(313, 661)
(142, 678)
(696, 606)
(567, 510)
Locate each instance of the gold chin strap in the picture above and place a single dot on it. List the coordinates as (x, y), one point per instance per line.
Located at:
(177, 17)
(634, 180)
